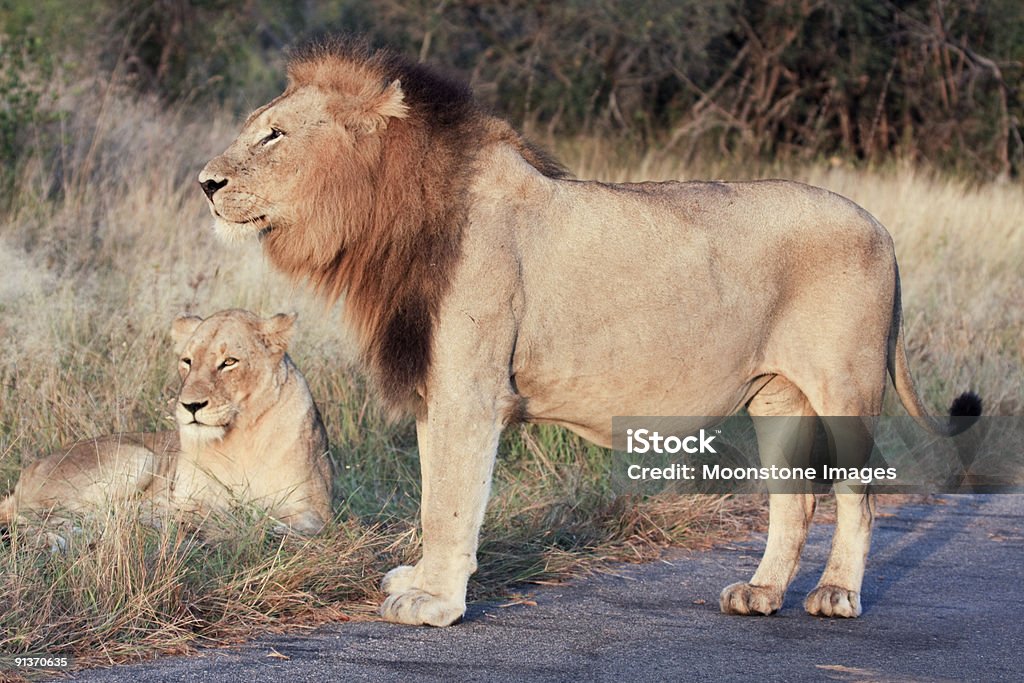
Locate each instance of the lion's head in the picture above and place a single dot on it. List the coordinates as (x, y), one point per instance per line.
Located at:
(356, 178)
(231, 366)
(281, 173)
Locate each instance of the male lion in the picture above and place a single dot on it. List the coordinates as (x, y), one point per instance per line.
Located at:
(486, 288)
(248, 430)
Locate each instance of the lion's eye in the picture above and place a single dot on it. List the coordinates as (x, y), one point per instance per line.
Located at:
(228, 362)
(270, 137)
(186, 362)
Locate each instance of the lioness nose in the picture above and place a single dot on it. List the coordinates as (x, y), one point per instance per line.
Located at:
(194, 407)
(211, 186)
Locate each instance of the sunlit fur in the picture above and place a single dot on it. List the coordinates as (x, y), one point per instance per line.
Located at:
(380, 195)
(258, 437)
(483, 283)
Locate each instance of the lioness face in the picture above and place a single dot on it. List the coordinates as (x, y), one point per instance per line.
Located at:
(228, 363)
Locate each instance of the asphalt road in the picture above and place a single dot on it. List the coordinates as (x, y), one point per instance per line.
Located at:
(943, 600)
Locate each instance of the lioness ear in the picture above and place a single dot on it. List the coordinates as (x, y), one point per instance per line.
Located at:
(182, 329)
(277, 331)
(375, 107)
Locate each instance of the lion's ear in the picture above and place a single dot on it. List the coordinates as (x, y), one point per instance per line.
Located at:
(373, 110)
(277, 331)
(182, 329)
(390, 103)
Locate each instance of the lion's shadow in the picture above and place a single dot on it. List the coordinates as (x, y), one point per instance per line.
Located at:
(904, 540)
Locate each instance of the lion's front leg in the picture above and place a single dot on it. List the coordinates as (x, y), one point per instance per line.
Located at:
(457, 453)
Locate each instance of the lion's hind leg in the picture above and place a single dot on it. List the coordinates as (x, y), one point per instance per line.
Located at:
(784, 423)
(838, 591)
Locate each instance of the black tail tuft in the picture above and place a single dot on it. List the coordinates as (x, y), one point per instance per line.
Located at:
(967, 404)
(964, 412)
(5, 536)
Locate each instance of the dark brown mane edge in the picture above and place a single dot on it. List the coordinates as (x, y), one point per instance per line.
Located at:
(393, 260)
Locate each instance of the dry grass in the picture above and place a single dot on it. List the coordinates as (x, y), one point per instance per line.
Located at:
(109, 239)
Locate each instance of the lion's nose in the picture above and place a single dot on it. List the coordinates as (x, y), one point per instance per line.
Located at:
(194, 407)
(211, 186)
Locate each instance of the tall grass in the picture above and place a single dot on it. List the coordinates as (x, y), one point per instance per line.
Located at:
(108, 238)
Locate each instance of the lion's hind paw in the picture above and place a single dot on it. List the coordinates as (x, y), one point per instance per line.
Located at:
(747, 599)
(833, 601)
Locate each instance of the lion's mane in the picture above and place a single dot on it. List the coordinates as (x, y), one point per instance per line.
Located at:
(383, 227)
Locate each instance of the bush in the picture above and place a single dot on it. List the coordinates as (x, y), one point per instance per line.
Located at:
(922, 80)
(25, 70)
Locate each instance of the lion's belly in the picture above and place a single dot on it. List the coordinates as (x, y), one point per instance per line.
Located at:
(592, 419)
(666, 339)
(625, 371)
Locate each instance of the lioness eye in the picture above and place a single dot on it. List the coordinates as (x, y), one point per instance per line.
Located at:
(228, 362)
(273, 135)
(187, 362)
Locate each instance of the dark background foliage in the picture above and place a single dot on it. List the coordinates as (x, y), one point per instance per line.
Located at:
(937, 81)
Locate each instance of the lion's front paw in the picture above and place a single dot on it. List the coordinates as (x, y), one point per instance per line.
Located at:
(419, 607)
(833, 601)
(744, 598)
(398, 580)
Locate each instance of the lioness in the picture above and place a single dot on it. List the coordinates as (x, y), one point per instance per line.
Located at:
(248, 430)
(487, 288)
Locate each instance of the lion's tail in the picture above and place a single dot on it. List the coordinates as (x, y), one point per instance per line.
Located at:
(963, 412)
